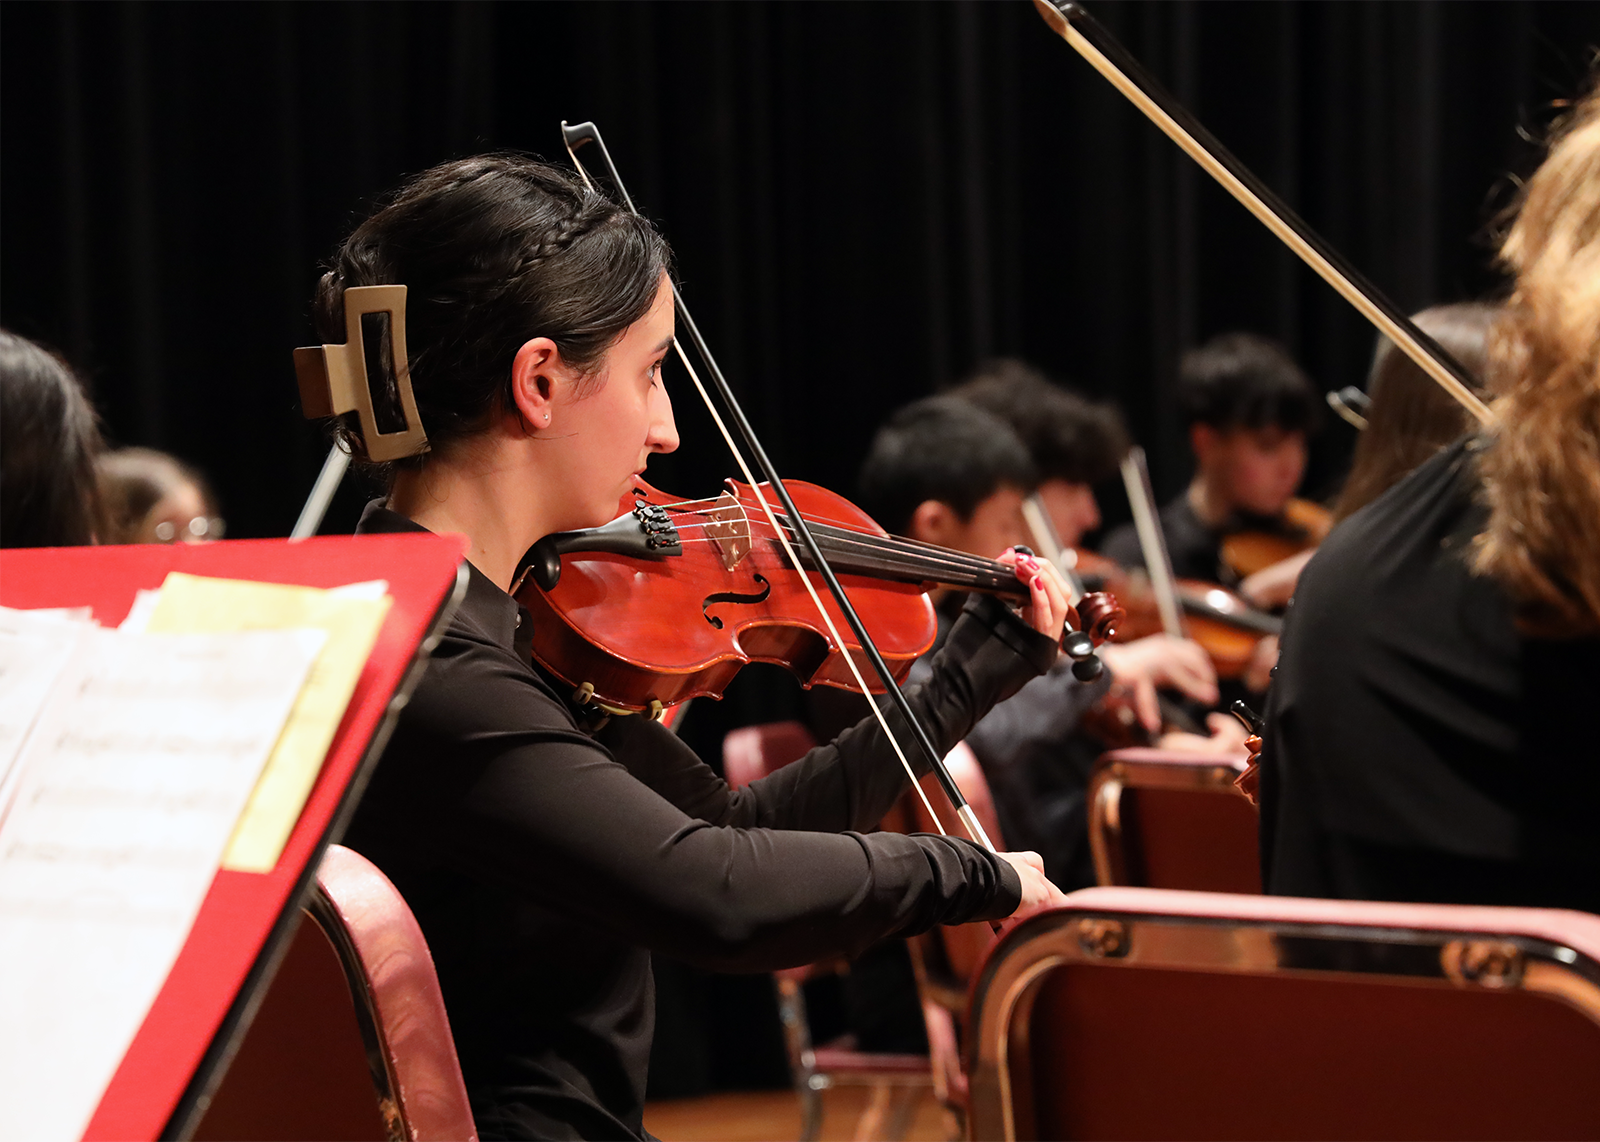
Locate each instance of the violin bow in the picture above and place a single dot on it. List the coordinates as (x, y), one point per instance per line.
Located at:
(1152, 540)
(1085, 35)
(581, 134)
(1047, 542)
(316, 505)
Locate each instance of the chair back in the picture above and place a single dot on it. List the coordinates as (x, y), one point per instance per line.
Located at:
(1165, 819)
(1140, 1013)
(752, 752)
(351, 1040)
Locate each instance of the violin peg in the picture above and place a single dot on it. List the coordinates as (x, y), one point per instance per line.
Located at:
(1078, 645)
(1087, 669)
(1250, 719)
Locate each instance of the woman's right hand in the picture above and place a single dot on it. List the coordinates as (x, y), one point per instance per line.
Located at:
(1037, 891)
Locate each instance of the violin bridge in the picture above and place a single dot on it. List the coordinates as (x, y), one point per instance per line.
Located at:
(728, 524)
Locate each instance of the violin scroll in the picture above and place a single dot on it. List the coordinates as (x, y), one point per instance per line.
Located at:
(1100, 614)
(1097, 617)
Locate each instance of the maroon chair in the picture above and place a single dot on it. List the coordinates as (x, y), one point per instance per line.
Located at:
(1142, 1013)
(351, 1041)
(748, 754)
(1167, 819)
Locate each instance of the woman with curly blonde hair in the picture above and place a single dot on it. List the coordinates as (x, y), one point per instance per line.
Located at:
(1542, 476)
(1430, 732)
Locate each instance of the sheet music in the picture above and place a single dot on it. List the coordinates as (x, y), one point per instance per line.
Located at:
(126, 793)
(351, 616)
(34, 648)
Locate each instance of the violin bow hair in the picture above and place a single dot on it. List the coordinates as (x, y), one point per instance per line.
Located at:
(1096, 45)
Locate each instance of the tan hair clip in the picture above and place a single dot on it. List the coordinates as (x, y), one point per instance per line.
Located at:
(333, 378)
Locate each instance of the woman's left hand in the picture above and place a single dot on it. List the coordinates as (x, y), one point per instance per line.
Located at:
(1047, 607)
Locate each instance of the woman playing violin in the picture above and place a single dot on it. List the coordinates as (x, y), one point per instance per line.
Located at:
(1430, 733)
(545, 865)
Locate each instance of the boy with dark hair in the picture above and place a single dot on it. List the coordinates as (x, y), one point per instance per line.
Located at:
(946, 472)
(1249, 409)
(1074, 443)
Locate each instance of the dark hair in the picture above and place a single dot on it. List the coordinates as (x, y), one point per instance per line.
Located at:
(134, 480)
(1069, 438)
(940, 448)
(49, 438)
(1243, 380)
(1411, 416)
(495, 250)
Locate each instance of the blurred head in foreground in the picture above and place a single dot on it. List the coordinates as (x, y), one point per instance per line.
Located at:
(49, 438)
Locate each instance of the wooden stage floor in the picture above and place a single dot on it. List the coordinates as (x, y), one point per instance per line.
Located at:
(773, 1115)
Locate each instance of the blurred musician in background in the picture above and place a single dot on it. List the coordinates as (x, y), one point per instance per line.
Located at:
(945, 471)
(1430, 733)
(1249, 410)
(49, 439)
(544, 864)
(1075, 444)
(1411, 417)
(152, 497)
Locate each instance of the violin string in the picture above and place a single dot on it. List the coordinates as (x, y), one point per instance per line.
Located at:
(885, 543)
(855, 672)
(816, 524)
(942, 574)
(937, 563)
(794, 561)
(684, 505)
(832, 525)
(953, 573)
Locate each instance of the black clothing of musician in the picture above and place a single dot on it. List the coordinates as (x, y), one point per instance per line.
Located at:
(545, 866)
(1194, 548)
(1418, 747)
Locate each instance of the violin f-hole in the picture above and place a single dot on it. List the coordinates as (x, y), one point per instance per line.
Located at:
(734, 597)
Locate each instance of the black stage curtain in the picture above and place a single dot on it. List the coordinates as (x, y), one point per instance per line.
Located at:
(865, 200)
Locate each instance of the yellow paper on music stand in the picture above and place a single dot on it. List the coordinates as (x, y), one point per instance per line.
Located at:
(190, 604)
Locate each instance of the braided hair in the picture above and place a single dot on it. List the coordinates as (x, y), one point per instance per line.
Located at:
(494, 250)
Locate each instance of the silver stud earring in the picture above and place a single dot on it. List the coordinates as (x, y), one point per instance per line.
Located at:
(547, 417)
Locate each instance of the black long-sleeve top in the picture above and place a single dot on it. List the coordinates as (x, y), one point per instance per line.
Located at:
(1418, 747)
(544, 865)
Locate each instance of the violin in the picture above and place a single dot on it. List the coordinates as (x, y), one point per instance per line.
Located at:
(1221, 621)
(1304, 525)
(709, 589)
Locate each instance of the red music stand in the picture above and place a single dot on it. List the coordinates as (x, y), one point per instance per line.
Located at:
(164, 1082)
